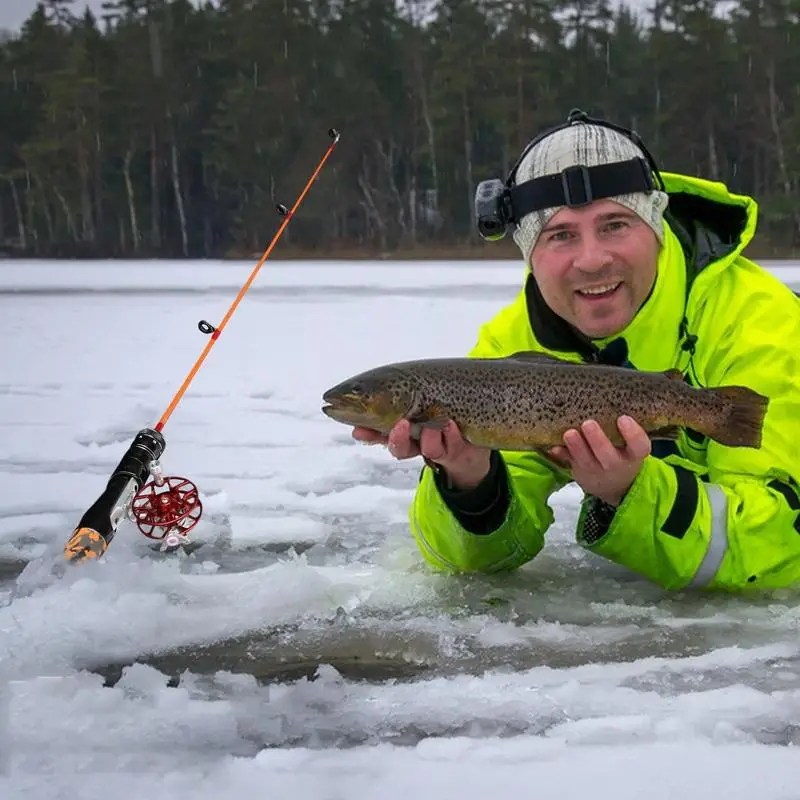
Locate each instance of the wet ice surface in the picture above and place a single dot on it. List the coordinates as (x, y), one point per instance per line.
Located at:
(303, 648)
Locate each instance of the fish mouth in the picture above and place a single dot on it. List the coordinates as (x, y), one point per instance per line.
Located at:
(333, 404)
(343, 408)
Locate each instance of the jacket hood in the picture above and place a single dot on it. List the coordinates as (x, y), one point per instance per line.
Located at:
(713, 224)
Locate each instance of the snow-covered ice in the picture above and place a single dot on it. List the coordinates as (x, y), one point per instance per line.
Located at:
(304, 649)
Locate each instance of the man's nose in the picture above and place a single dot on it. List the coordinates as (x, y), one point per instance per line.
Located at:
(592, 254)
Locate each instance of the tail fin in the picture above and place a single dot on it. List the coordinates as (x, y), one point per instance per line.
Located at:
(742, 419)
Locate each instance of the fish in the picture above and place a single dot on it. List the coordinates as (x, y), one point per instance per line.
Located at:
(526, 401)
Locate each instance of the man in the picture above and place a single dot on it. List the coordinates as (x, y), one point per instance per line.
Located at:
(650, 276)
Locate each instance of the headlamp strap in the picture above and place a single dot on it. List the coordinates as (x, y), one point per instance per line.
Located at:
(579, 185)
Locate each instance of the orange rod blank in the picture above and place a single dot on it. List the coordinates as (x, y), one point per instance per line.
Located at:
(215, 335)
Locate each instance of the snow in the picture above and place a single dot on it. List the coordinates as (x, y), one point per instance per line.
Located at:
(304, 649)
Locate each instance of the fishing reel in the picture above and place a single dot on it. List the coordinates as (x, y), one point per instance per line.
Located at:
(165, 509)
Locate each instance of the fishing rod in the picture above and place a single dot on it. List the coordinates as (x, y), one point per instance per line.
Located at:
(164, 508)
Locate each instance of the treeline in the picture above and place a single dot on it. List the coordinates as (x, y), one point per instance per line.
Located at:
(160, 128)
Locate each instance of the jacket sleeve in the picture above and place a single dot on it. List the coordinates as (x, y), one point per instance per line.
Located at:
(500, 525)
(729, 521)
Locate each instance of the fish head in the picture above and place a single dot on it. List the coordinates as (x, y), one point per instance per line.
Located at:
(374, 399)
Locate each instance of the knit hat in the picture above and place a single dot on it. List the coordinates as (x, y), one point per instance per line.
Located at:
(589, 145)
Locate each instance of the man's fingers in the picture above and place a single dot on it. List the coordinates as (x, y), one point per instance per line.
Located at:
(560, 456)
(447, 442)
(636, 439)
(579, 452)
(432, 444)
(601, 446)
(368, 436)
(400, 443)
(452, 436)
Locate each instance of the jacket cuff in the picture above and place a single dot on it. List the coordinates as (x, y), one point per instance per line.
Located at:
(597, 519)
(482, 509)
(661, 528)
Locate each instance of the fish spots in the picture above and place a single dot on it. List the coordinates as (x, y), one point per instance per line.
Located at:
(519, 404)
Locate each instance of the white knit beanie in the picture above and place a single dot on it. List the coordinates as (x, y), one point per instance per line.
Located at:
(588, 145)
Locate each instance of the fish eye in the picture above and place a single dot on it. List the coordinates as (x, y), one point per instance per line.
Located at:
(356, 387)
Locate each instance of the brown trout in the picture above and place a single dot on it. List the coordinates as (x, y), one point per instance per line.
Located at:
(527, 401)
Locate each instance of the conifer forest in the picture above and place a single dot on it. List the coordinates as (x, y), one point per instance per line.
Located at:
(170, 129)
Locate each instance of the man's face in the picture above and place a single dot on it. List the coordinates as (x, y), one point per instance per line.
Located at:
(596, 265)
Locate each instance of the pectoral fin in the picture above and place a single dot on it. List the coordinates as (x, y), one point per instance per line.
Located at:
(420, 416)
(671, 432)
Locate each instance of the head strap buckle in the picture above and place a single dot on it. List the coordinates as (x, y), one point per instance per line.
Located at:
(577, 186)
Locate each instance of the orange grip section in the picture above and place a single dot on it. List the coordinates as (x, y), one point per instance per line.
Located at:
(85, 543)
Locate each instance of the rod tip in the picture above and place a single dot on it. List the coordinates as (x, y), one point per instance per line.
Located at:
(334, 134)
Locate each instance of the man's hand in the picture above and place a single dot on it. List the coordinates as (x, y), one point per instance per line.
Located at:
(465, 464)
(597, 466)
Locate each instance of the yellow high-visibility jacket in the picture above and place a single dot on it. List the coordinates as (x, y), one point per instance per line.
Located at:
(704, 514)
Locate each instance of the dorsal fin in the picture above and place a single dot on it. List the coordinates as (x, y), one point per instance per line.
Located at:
(674, 374)
(534, 356)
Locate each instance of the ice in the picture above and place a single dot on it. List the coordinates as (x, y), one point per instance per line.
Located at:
(302, 648)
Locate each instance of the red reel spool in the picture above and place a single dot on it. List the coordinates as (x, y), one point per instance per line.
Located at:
(172, 507)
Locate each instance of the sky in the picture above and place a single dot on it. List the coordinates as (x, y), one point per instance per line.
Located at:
(14, 12)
